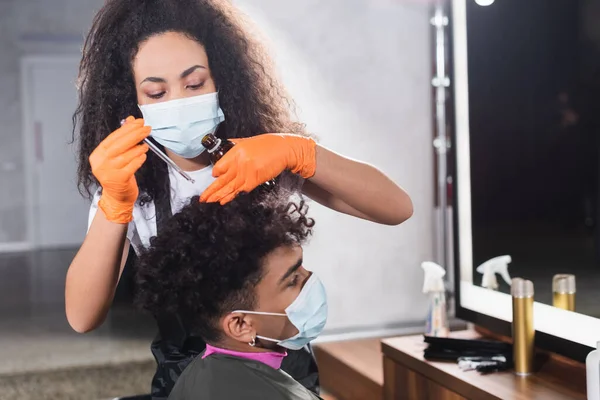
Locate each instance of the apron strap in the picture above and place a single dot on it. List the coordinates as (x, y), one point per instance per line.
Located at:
(170, 326)
(162, 206)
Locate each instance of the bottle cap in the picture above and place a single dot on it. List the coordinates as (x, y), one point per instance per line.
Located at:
(210, 142)
(521, 288)
(563, 283)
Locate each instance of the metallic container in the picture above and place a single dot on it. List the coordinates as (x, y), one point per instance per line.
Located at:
(563, 289)
(523, 331)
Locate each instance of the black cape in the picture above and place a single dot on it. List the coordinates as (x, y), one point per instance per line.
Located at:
(225, 377)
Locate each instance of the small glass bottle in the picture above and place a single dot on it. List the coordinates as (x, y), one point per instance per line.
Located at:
(217, 148)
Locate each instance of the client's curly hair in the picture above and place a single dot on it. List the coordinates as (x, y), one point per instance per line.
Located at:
(252, 99)
(208, 259)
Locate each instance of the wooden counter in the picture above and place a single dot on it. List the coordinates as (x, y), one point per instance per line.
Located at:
(407, 375)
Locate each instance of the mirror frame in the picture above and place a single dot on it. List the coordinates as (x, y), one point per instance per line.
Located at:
(567, 333)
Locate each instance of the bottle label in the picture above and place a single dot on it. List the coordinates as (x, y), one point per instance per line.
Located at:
(437, 321)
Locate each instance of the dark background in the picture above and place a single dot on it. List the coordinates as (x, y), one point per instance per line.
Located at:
(534, 124)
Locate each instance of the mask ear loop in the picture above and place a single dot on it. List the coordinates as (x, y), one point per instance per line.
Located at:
(253, 342)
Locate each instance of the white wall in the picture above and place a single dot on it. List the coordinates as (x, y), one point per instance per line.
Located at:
(22, 22)
(360, 72)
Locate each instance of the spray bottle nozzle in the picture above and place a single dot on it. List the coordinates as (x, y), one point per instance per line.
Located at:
(434, 277)
(489, 269)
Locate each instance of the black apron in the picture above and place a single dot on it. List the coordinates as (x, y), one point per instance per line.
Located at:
(174, 349)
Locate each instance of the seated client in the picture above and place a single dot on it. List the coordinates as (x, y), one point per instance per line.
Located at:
(235, 275)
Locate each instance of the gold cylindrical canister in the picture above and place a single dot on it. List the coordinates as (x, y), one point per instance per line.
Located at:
(563, 289)
(523, 331)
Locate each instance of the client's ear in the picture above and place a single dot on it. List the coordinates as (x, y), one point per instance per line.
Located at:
(239, 326)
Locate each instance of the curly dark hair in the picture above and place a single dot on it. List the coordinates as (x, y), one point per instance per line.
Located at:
(251, 98)
(208, 259)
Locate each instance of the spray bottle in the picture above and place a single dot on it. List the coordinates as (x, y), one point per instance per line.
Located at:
(489, 269)
(437, 319)
(592, 367)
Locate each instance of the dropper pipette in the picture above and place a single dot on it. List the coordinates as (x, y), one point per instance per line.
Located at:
(165, 158)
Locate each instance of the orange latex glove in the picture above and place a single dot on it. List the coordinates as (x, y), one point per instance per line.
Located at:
(114, 163)
(256, 160)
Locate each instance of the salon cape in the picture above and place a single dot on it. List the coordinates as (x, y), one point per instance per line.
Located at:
(226, 377)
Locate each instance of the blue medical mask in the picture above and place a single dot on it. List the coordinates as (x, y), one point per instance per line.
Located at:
(179, 125)
(308, 313)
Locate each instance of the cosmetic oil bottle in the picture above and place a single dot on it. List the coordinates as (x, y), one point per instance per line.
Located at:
(217, 148)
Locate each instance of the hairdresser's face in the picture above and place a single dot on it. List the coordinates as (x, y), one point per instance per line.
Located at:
(283, 279)
(171, 66)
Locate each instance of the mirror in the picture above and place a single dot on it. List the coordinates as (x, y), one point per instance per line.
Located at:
(534, 123)
(527, 159)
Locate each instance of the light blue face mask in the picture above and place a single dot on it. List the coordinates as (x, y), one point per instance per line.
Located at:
(308, 313)
(180, 124)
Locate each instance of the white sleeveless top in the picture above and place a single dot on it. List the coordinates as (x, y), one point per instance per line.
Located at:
(143, 226)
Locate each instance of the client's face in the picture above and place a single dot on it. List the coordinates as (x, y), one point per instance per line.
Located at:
(283, 279)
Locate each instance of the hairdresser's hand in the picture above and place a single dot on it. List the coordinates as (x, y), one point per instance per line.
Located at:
(256, 160)
(114, 163)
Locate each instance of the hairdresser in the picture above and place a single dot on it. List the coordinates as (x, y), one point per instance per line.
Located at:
(176, 70)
